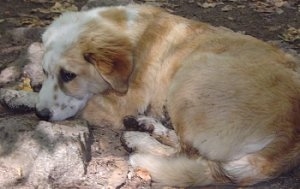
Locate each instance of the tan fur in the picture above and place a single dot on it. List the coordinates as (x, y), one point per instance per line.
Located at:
(116, 16)
(234, 100)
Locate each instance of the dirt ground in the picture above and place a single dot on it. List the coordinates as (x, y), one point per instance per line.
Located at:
(275, 21)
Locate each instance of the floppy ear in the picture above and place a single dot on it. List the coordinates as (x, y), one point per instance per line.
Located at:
(113, 61)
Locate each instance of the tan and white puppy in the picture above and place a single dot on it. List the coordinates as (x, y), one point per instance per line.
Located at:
(234, 101)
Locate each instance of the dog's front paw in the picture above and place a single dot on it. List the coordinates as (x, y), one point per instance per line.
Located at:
(142, 142)
(126, 141)
(132, 123)
(135, 141)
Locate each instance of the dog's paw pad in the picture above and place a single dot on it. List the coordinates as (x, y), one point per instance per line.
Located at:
(131, 123)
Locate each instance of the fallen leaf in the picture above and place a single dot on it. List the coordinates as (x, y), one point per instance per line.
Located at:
(291, 34)
(32, 21)
(20, 172)
(241, 6)
(279, 11)
(2, 20)
(274, 28)
(227, 8)
(209, 4)
(241, 32)
(269, 6)
(279, 3)
(158, 3)
(263, 7)
(169, 10)
(143, 174)
(59, 8)
(28, 20)
(25, 85)
(38, 1)
(41, 10)
(230, 18)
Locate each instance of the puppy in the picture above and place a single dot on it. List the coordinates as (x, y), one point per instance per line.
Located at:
(233, 100)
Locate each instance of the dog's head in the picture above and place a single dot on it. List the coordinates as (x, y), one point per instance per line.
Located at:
(84, 55)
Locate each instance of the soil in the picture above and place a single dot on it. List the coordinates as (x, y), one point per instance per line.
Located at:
(262, 19)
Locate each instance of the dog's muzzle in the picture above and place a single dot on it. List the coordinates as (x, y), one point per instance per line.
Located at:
(45, 114)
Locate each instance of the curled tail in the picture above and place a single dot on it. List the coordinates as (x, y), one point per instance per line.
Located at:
(179, 170)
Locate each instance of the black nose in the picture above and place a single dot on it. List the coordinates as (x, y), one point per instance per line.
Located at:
(44, 114)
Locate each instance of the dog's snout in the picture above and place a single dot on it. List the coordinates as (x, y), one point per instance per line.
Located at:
(44, 114)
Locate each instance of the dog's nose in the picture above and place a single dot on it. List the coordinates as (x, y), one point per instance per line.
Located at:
(44, 114)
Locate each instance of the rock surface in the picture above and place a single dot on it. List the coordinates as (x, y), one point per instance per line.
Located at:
(18, 101)
(33, 70)
(41, 154)
(38, 154)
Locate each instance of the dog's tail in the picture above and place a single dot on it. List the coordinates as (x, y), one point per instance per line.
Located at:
(180, 171)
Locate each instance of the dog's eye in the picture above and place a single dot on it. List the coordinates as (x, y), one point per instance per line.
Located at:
(66, 76)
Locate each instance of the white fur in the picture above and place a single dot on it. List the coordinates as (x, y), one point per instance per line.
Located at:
(67, 29)
(61, 108)
(144, 143)
(160, 131)
(178, 171)
(244, 169)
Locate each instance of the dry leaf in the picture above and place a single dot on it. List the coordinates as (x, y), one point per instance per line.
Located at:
(207, 5)
(279, 11)
(274, 28)
(263, 7)
(32, 21)
(227, 8)
(41, 10)
(143, 174)
(25, 86)
(291, 34)
(38, 1)
(230, 18)
(59, 8)
(279, 3)
(269, 6)
(158, 3)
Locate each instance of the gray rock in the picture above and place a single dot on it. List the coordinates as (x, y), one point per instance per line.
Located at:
(9, 74)
(18, 101)
(26, 34)
(41, 154)
(33, 70)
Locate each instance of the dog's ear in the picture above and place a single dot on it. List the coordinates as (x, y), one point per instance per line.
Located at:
(114, 63)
